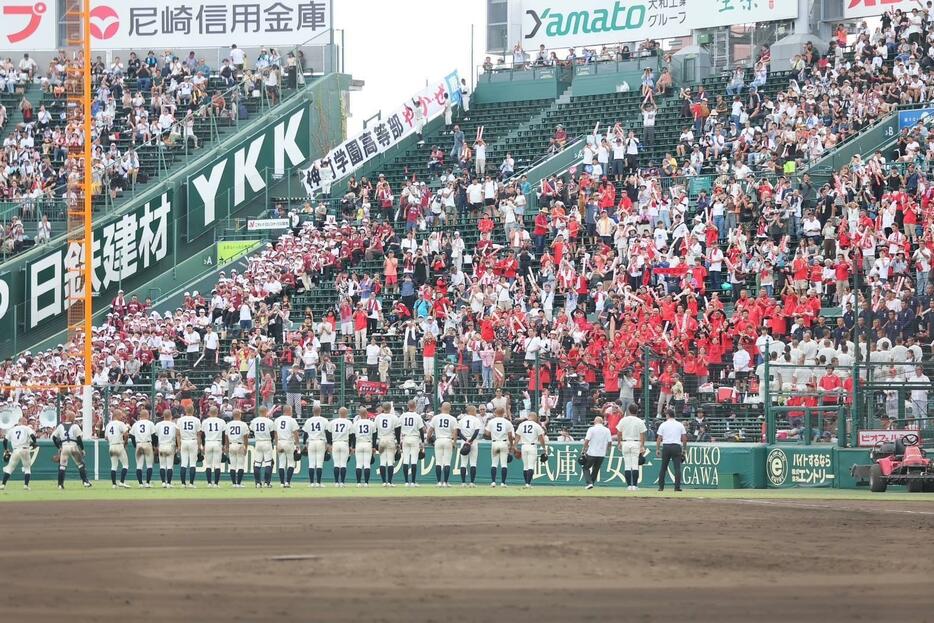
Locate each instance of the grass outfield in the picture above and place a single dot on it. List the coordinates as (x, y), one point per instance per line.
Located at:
(43, 491)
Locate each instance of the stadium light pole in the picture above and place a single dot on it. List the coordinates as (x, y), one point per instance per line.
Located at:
(87, 410)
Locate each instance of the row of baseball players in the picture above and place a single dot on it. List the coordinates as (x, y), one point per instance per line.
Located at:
(213, 442)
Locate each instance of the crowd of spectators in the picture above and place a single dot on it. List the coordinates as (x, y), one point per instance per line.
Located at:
(480, 293)
(154, 101)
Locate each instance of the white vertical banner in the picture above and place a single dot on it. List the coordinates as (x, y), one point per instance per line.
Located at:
(356, 151)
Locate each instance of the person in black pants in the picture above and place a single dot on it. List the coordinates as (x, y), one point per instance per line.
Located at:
(596, 442)
(670, 443)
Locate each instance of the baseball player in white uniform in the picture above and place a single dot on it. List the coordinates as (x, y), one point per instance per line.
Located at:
(261, 427)
(631, 429)
(412, 431)
(501, 433)
(19, 442)
(169, 442)
(339, 430)
(286, 445)
(531, 437)
(364, 434)
(213, 430)
(469, 430)
(316, 436)
(238, 435)
(189, 427)
(443, 428)
(388, 437)
(143, 435)
(116, 433)
(68, 439)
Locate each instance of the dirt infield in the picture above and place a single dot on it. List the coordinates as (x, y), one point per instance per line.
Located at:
(480, 559)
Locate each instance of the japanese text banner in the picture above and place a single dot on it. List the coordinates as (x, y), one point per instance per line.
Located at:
(168, 24)
(356, 151)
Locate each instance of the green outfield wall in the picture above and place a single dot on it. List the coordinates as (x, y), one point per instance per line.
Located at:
(708, 466)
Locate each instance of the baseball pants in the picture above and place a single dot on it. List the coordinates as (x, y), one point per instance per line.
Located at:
(285, 454)
(118, 456)
(340, 453)
(499, 454)
(70, 450)
(470, 459)
(387, 451)
(631, 455)
(167, 456)
(262, 453)
(189, 453)
(20, 457)
(144, 456)
(410, 448)
(237, 455)
(529, 456)
(444, 449)
(363, 453)
(212, 455)
(316, 450)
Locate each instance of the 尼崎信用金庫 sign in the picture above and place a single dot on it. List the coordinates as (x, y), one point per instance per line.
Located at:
(141, 25)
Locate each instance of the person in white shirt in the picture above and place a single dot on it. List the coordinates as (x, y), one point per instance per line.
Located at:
(631, 429)
(18, 441)
(169, 441)
(920, 384)
(236, 447)
(213, 429)
(192, 345)
(469, 429)
(116, 433)
(596, 441)
(500, 432)
(443, 428)
(388, 431)
(531, 435)
(316, 436)
(670, 443)
(340, 429)
(142, 432)
(211, 343)
(286, 446)
(189, 427)
(412, 430)
(261, 428)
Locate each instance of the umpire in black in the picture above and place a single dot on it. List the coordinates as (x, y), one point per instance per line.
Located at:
(670, 442)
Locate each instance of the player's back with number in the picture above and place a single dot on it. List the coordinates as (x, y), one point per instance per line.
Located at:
(316, 427)
(142, 431)
(214, 429)
(286, 426)
(411, 423)
(499, 429)
(530, 432)
(189, 426)
(444, 426)
(237, 430)
(115, 432)
(262, 428)
(167, 432)
(340, 429)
